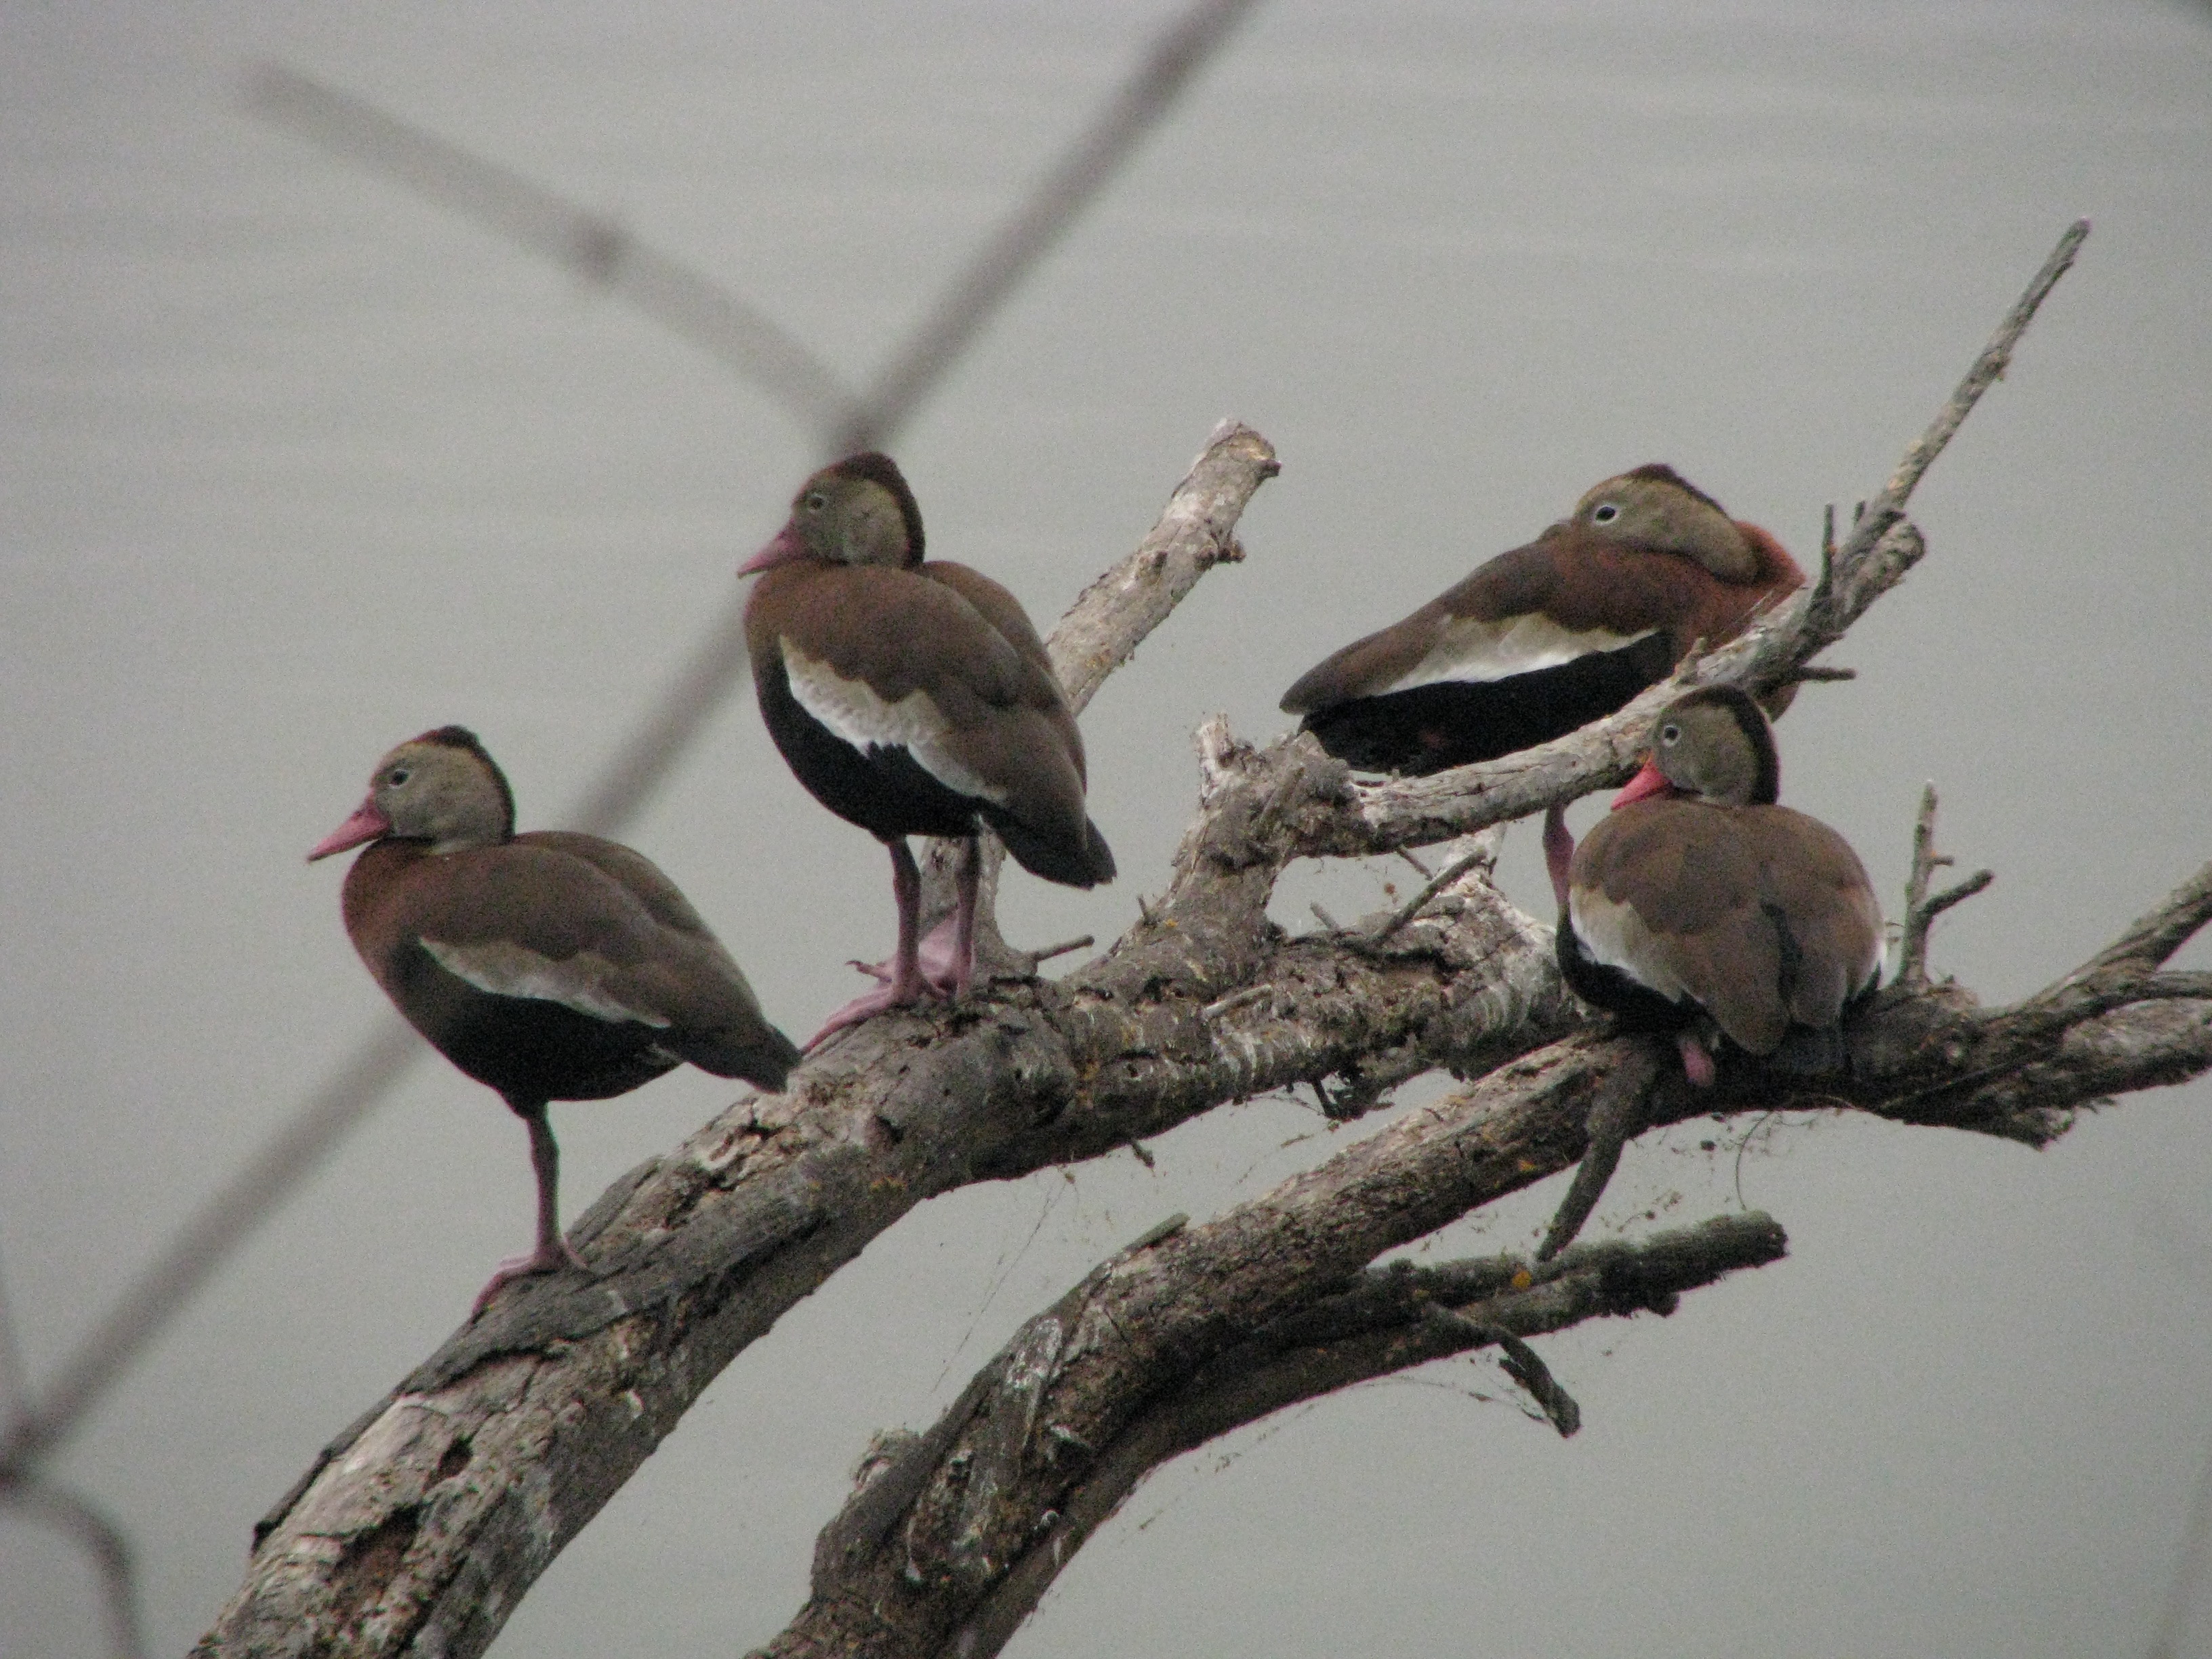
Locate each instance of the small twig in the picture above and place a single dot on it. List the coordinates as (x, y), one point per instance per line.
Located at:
(1083, 943)
(1520, 1364)
(1407, 853)
(1234, 1001)
(104, 1542)
(1875, 519)
(1616, 1112)
(1813, 673)
(1486, 854)
(1921, 910)
(1325, 919)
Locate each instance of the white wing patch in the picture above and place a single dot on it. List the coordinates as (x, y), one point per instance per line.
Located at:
(1615, 937)
(1470, 650)
(852, 709)
(507, 970)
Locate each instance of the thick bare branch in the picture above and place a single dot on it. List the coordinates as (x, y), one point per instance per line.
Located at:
(490, 1455)
(1389, 1320)
(1005, 1481)
(453, 1493)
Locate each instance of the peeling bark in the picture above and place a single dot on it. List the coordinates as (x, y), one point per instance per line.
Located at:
(425, 1521)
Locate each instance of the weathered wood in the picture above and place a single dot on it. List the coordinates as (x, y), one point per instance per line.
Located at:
(420, 1529)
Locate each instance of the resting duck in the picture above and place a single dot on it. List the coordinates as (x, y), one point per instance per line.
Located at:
(913, 699)
(1549, 636)
(548, 966)
(1698, 906)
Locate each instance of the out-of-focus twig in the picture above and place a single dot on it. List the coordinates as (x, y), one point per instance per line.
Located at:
(1058, 200)
(598, 248)
(700, 310)
(103, 1542)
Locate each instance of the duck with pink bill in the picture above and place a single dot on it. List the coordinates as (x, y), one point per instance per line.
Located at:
(914, 698)
(549, 965)
(1699, 907)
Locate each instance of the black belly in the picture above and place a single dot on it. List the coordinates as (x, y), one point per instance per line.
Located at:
(884, 790)
(529, 1049)
(1805, 1051)
(1639, 1007)
(1457, 722)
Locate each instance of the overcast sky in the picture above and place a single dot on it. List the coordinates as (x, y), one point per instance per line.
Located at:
(296, 466)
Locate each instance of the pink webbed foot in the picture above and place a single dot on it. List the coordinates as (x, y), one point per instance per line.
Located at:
(864, 1007)
(937, 957)
(1696, 1064)
(526, 1266)
(938, 973)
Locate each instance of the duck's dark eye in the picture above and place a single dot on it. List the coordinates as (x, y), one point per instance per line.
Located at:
(1605, 512)
(816, 501)
(1670, 734)
(397, 776)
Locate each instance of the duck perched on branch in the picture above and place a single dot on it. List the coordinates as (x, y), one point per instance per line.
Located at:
(1549, 636)
(913, 698)
(1700, 907)
(549, 965)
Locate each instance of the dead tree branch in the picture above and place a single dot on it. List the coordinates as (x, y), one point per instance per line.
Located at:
(428, 1519)
(995, 1517)
(1921, 910)
(1387, 1319)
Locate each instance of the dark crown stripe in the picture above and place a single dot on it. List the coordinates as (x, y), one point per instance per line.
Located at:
(1750, 719)
(879, 468)
(459, 737)
(1660, 472)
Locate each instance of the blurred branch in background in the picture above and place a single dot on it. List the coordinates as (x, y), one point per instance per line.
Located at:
(601, 251)
(1009, 256)
(102, 1541)
(598, 248)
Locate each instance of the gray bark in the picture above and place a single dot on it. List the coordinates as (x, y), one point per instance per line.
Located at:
(428, 1519)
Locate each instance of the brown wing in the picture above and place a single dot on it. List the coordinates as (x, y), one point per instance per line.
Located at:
(1004, 612)
(630, 869)
(1816, 882)
(1567, 594)
(1669, 892)
(534, 919)
(895, 657)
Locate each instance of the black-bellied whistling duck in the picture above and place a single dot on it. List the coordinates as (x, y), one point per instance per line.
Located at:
(1549, 636)
(913, 699)
(549, 965)
(1698, 906)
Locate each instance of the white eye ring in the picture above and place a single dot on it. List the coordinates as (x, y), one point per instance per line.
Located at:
(1670, 733)
(816, 501)
(397, 776)
(1605, 512)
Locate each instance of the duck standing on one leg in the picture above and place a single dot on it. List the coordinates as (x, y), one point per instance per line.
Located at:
(1698, 906)
(550, 965)
(913, 699)
(1549, 636)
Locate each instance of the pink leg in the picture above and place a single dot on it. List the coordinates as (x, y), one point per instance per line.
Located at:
(1559, 852)
(552, 1254)
(946, 957)
(1696, 1064)
(905, 983)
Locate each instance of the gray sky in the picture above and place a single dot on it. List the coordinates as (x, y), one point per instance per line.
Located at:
(296, 466)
